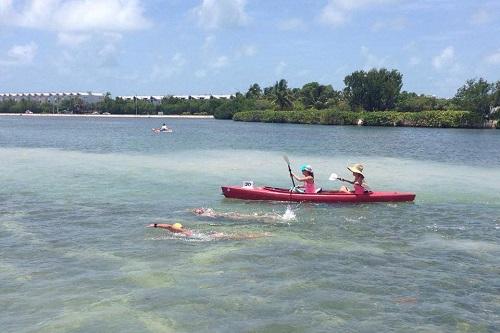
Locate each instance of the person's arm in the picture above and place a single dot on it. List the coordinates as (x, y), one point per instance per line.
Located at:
(302, 179)
(358, 180)
(160, 225)
(185, 232)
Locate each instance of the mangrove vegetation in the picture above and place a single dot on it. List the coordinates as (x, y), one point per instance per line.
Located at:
(373, 97)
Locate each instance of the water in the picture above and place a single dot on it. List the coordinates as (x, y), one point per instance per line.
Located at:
(75, 256)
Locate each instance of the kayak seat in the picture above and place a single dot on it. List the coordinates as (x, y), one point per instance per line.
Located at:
(297, 189)
(301, 190)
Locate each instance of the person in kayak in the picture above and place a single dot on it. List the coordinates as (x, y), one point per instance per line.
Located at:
(175, 228)
(308, 179)
(359, 183)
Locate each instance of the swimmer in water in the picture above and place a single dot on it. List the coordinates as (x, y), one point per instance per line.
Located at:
(175, 228)
(235, 216)
(207, 212)
(179, 229)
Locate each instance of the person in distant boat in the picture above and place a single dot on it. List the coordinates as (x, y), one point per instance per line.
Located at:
(175, 228)
(359, 184)
(163, 128)
(308, 179)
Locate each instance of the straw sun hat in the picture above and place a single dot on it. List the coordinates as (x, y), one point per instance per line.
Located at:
(356, 168)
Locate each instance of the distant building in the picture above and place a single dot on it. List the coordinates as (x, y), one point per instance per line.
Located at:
(157, 99)
(91, 98)
(53, 97)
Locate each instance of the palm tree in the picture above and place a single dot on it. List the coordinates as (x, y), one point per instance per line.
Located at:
(281, 96)
(254, 91)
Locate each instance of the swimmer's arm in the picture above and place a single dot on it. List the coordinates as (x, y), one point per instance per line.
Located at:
(159, 225)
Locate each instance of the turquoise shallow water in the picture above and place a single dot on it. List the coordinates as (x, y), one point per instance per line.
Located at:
(75, 255)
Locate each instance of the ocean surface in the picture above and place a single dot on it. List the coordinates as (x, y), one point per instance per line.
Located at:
(76, 195)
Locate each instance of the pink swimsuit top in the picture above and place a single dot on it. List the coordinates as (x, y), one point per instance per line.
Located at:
(309, 186)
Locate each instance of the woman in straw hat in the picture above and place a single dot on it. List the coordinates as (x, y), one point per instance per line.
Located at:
(359, 179)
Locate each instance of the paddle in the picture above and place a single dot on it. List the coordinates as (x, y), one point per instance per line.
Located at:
(289, 169)
(334, 176)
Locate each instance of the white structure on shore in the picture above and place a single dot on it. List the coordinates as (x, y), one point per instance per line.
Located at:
(53, 97)
(90, 97)
(157, 99)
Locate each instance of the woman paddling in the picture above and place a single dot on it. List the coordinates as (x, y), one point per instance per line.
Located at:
(163, 128)
(308, 178)
(359, 183)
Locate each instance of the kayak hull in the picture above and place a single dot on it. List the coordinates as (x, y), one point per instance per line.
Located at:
(280, 194)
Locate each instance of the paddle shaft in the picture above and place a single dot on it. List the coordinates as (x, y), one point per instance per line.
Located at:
(345, 180)
(291, 177)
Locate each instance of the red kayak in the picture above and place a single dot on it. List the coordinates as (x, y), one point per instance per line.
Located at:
(281, 194)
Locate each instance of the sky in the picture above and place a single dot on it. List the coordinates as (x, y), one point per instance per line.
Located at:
(153, 47)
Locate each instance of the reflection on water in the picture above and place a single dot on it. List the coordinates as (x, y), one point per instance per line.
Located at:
(75, 255)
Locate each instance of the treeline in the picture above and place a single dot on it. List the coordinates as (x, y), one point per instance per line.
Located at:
(376, 90)
(364, 91)
(448, 119)
(221, 108)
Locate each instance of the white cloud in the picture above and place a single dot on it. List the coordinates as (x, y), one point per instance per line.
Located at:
(493, 59)
(5, 10)
(414, 61)
(371, 60)
(173, 67)
(72, 39)
(247, 51)
(78, 15)
(333, 15)
(481, 16)
(20, 55)
(214, 14)
(280, 68)
(398, 23)
(338, 12)
(108, 55)
(291, 24)
(220, 62)
(303, 72)
(201, 73)
(208, 43)
(444, 59)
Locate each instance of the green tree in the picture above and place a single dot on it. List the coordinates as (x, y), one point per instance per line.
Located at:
(318, 96)
(254, 91)
(495, 97)
(268, 92)
(281, 95)
(476, 96)
(376, 89)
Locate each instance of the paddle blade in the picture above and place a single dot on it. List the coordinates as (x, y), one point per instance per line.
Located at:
(286, 159)
(333, 176)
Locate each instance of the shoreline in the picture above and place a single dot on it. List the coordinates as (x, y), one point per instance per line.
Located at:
(434, 119)
(107, 115)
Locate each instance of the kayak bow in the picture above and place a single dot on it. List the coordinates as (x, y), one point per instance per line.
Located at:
(281, 194)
